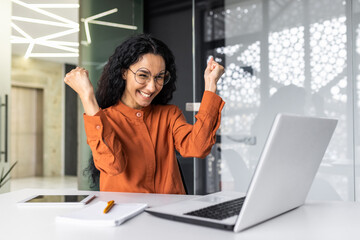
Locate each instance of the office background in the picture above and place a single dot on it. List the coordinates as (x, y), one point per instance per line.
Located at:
(297, 56)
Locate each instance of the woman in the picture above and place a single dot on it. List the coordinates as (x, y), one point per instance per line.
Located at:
(132, 132)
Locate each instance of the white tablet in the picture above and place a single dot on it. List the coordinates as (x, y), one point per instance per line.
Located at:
(55, 200)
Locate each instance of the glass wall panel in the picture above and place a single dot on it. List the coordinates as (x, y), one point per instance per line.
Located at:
(281, 56)
(356, 76)
(104, 25)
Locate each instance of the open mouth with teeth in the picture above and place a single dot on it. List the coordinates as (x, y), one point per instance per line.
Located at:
(145, 94)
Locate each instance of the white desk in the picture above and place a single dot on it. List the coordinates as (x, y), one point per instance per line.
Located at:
(322, 220)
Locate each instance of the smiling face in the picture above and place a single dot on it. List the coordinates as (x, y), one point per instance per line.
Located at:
(138, 95)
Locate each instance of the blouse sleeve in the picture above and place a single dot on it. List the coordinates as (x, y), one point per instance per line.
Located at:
(197, 140)
(104, 143)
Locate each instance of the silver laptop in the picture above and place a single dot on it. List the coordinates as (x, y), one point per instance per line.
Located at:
(281, 182)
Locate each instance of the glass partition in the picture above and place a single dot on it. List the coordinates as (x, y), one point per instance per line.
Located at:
(355, 26)
(280, 56)
(104, 25)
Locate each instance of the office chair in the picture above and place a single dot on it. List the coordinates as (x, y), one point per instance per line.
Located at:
(182, 177)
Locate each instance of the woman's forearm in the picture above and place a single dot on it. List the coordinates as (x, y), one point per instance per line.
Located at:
(78, 80)
(91, 106)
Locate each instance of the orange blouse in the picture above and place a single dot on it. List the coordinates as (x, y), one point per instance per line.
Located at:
(135, 149)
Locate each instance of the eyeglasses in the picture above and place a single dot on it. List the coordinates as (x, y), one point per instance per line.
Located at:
(143, 75)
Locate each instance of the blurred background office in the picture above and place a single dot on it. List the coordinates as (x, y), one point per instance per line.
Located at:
(294, 56)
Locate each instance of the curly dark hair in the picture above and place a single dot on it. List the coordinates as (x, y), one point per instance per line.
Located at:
(112, 85)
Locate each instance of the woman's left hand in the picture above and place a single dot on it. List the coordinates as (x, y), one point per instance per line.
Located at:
(212, 74)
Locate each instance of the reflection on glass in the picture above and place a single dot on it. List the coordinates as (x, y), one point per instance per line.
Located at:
(283, 56)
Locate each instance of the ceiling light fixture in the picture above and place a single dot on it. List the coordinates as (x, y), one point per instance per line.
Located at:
(53, 55)
(39, 21)
(55, 5)
(110, 24)
(48, 40)
(86, 22)
(59, 34)
(46, 43)
(103, 14)
(92, 20)
(59, 21)
(17, 40)
(22, 32)
(87, 32)
(46, 13)
(28, 51)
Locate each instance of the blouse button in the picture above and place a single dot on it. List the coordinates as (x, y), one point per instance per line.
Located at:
(97, 127)
(138, 114)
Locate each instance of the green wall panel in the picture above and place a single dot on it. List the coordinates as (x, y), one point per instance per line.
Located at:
(94, 55)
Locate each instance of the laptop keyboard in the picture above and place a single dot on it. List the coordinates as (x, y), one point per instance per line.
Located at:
(220, 211)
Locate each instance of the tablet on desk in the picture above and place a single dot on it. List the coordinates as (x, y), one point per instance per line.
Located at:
(55, 200)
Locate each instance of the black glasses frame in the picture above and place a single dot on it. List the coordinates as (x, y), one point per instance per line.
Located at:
(166, 73)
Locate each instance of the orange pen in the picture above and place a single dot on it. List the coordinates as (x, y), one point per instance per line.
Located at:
(110, 204)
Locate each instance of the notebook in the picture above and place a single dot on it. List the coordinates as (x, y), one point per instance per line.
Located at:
(93, 215)
(287, 166)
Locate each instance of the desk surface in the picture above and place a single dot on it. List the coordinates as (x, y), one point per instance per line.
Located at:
(315, 220)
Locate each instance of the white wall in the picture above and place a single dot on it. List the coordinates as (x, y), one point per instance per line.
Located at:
(5, 69)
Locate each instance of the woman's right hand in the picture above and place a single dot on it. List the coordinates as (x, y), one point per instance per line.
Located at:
(78, 80)
(212, 74)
